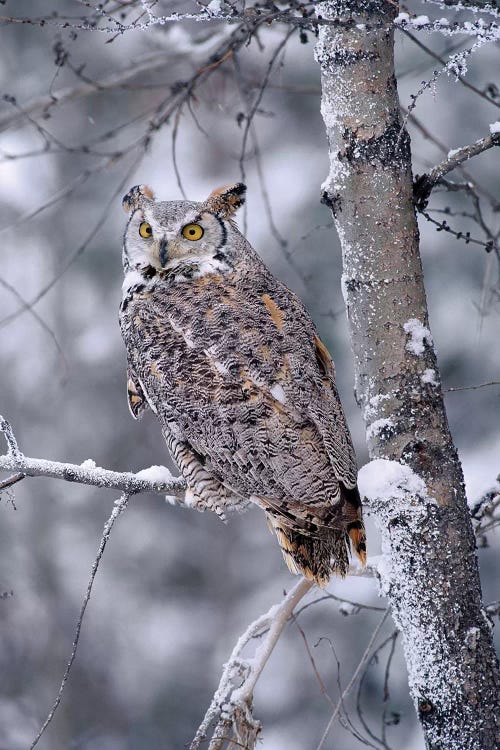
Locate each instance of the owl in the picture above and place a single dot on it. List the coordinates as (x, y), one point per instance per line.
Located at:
(230, 362)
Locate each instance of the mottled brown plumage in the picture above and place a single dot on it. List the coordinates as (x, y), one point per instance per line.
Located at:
(229, 360)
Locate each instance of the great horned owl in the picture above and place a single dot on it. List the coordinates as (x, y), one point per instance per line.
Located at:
(229, 360)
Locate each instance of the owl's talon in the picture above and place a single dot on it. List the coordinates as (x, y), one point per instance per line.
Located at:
(192, 500)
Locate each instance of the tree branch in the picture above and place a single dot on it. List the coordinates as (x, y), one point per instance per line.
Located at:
(440, 59)
(231, 707)
(146, 63)
(88, 473)
(118, 508)
(426, 182)
(470, 387)
(11, 480)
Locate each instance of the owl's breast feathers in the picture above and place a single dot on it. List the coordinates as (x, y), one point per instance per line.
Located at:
(233, 367)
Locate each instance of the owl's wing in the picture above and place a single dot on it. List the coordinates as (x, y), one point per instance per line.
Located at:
(238, 371)
(136, 398)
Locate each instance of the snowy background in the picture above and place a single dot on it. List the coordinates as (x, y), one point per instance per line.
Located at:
(176, 588)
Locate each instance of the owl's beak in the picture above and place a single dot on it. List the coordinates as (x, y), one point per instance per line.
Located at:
(163, 252)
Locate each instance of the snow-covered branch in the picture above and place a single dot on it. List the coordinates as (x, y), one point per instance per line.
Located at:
(425, 183)
(155, 479)
(231, 707)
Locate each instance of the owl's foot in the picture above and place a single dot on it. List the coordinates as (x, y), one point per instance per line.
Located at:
(192, 500)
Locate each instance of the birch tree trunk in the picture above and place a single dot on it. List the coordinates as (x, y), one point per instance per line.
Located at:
(431, 573)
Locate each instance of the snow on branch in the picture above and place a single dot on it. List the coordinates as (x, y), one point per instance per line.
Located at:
(486, 513)
(392, 491)
(231, 707)
(293, 13)
(477, 28)
(155, 479)
(426, 182)
(457, 63)
(472, 6)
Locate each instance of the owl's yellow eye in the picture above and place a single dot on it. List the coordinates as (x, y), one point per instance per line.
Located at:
(192, 232)
(145, 230)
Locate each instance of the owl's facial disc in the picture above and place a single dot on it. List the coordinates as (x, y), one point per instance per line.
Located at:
(166, 235)
(195, 237)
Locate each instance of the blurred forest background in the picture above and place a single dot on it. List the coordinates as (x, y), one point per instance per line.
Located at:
(176, 588)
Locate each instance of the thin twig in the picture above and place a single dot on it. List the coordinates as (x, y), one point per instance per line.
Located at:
(257, 155)
(425, 183)
(344, 718)
(118, 508)
(441, 60)
(80, 250)
(174, 152)
(471, 387)
(39, 320)
(388, 664)
(341, 600)
(313, 663)
(353, 680)
(373, 658)
(11, 480)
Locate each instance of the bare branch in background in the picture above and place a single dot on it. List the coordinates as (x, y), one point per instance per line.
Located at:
(118, 508)
(456, 63)
(443, 226)
(460, 78)
(382, 740)
(81, 248)
(39, 320)
(9, 481)
(470, 387)
(476, 6)
(425, 132)
(352, 682)
(43, 104)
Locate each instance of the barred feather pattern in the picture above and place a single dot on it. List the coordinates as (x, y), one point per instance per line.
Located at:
(230, 361)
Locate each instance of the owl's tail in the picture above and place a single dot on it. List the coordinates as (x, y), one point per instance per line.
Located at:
(316, 557)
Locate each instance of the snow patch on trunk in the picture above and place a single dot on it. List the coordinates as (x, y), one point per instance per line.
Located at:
(382, 479)
(375, 428)
(419, 336)
(429, 377)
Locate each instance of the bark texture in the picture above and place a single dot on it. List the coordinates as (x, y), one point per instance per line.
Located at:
(431, 573)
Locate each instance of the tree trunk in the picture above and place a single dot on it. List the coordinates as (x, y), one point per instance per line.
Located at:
(430, 573)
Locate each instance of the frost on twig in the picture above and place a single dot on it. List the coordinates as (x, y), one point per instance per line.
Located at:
(425, 183)
(155, 479)
(230, 711)
(486, 513)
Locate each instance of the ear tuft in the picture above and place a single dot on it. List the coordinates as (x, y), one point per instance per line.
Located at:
(136, 196)
(226, 200)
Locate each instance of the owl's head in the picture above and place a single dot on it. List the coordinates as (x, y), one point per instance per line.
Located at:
(165, 234)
